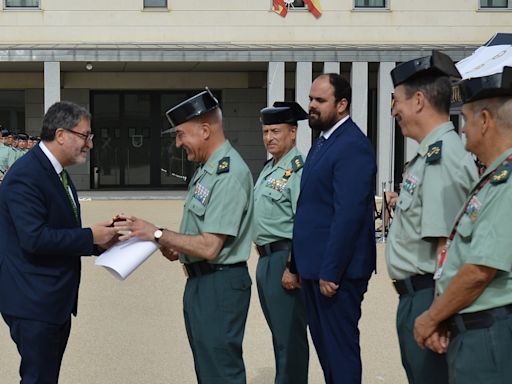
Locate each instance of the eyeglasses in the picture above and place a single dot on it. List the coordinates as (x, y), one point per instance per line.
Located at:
(86, 138)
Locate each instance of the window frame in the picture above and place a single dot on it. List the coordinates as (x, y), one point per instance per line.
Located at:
(362, 8)
(166, 6)
(508, 7)
(5, 7)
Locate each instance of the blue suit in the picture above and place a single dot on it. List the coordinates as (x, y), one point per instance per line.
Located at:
(334, 240)
(41, 242)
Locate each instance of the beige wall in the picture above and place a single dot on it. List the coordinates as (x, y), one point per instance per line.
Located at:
(243, 21)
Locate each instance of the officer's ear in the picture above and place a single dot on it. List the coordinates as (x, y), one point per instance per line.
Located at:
(419, 100)
(293, 132)
(487, 119)
(205, 129)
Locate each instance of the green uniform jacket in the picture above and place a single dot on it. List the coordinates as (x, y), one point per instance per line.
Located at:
(483, 237)
(435, 185)
(220, 201)
(275, 198)
(4, 159)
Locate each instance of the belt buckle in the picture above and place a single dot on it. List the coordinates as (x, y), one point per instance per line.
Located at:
(185, 270)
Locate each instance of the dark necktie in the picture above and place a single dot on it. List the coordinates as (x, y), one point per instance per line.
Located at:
(315, 150)
(65, 183)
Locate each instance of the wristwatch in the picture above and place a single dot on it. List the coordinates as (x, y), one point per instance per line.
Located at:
(158, 234)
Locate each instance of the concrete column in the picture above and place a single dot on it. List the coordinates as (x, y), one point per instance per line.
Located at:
(331, 67)
(51, 83)
(359, 84)
(275, 82)
(303, 80)
(385, 137)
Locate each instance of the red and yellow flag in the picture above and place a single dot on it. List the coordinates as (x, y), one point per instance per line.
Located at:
(279, 6)
(314, 7)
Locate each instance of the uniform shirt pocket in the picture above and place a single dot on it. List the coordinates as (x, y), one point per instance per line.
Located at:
(198, 208)
(405, 200)
(272, 193)
(465, 227)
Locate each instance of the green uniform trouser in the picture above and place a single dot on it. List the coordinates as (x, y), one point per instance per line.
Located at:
(421, 365)
(215, 308)
(482, 356)
(286, 316)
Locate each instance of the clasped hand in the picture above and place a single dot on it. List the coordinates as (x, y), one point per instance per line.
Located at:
(132, 226)
(430, 334)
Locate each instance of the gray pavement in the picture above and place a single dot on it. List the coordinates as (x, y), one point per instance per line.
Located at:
(132, 332)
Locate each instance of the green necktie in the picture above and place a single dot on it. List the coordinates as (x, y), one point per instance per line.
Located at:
(65, 183)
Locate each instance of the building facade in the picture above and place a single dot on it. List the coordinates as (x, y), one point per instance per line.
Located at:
(128, 61)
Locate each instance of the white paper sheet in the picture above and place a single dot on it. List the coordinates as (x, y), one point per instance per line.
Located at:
(126, 256)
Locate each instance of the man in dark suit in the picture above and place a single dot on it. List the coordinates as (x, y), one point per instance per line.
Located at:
(334, 236)
(41, 241)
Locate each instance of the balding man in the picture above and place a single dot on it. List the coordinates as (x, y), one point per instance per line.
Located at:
(473, 306)
(214, 241)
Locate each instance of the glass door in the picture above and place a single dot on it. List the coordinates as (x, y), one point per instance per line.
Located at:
(175, 168)
(136, 139)
(122, 145)
(134, 145)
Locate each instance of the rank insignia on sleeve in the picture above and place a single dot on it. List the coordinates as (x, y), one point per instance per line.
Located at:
(297, 163)
(434, 152)
(223, 166)
(502, 174)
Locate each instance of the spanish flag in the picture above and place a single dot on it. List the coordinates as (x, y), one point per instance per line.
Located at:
(314, 7)
(279, 6)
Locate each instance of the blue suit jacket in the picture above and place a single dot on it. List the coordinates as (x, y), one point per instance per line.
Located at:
(40, 241)
(334, 230)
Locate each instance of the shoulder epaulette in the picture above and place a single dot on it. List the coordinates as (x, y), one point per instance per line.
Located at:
(434, 152)
(297, 163)
(223, 166)
(502, 174)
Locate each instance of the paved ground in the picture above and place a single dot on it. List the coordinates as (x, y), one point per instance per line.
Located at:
(132, 332)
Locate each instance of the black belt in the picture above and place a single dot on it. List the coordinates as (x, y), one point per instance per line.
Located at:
(276, 246)
(477, 320)
(202, 268)
(414, 283)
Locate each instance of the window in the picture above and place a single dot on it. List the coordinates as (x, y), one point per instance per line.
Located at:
(155, 3)
(495, 4)
(21, 4)
(370, 4)
(294, 4)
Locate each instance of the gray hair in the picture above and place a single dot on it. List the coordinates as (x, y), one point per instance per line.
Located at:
(63, 114)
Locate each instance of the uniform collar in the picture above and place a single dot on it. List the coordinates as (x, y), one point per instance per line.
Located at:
(213, 161)
(434, 136)
(284, 163)
(496, 163)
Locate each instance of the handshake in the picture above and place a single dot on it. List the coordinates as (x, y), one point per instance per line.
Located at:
(122, 227)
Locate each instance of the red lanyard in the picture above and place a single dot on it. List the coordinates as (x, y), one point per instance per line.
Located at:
(481, 184)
